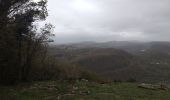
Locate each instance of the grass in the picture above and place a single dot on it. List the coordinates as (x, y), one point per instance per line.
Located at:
(80, 90)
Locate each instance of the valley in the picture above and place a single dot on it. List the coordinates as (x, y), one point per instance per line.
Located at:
(120, 61)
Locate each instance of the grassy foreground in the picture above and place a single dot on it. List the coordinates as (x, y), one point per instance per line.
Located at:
(80, 90)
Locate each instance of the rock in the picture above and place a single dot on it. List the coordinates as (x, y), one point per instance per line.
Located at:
(153, 87)
(75, 88)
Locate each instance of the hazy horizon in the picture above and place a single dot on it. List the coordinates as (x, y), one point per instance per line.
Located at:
(109, 20)
(82, 42)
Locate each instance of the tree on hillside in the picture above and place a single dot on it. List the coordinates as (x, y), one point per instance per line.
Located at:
(19, 39)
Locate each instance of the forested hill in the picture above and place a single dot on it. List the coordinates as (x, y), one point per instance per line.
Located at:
(140, 61)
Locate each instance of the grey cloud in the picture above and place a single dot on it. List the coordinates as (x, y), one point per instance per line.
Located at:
(113, 20)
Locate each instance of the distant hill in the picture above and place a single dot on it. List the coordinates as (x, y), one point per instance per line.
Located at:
(104, 60)
(140, 61)
(129, 46)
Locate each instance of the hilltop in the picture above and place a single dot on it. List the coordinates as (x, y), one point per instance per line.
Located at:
(80, 90)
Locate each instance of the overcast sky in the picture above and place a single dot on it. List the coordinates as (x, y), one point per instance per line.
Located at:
(109, 20)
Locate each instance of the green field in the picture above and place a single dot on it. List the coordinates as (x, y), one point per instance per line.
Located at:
(80, 90)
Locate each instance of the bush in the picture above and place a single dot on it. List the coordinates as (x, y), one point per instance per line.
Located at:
(52, 69)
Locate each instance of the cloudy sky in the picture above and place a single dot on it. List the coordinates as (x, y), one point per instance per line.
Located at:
(109, 20)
